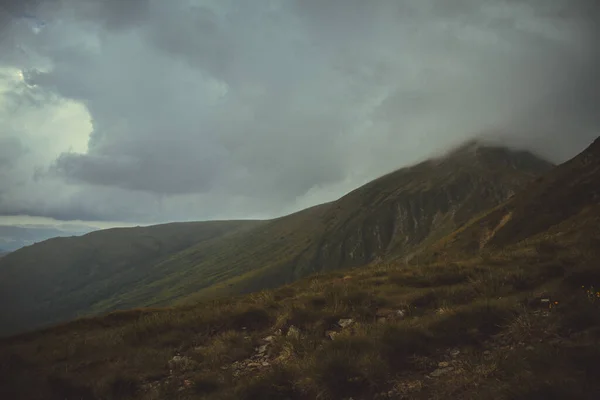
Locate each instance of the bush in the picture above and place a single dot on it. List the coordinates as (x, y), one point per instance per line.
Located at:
(471, 324)
(276, 384)
(252, 319)
(399, 343)
(348, 366)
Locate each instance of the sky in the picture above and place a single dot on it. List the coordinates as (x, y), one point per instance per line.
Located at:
(146, 111)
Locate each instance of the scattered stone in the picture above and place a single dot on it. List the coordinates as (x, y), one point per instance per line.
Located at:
(262, 349)
(487, 353)
(265, 364)
(441, 371)
(293, 332)
(278, 332)
(381, 319)
(345, 322)
(180, 363)
(269, 339)
(454, 353)
(331, 334)
(443, 364)
(388, 313)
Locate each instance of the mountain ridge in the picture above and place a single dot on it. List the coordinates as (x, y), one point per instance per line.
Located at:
(550, 202)
(519, 319)
(395, 213)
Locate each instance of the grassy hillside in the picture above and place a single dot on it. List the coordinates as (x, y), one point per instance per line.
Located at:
(390, 215)
(519, 320)
(61, 278)
(564, 201)
(394, 214)
(472, 329)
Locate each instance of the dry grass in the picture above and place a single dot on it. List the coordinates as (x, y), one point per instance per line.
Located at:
(472, 305)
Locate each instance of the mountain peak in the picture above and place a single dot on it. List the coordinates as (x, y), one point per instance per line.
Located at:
(595, 146)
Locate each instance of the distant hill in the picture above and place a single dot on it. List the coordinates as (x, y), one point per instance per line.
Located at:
(14, 237)
(64, 277)
(126, 268)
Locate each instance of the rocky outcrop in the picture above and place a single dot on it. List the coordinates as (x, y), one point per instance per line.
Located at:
(420, 208)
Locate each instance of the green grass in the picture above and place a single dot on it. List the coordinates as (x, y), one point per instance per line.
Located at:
(182, 263)
(468, 305)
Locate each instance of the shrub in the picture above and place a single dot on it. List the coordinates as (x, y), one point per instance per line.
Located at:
(348, 366)
(276, 384)
(398, 343)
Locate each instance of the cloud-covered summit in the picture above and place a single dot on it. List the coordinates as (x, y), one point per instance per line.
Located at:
(151, 111)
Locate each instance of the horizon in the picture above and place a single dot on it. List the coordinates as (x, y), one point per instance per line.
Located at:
(77, 227)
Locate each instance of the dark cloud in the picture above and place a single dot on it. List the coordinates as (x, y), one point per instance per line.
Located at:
(206, 109)
(11, 149)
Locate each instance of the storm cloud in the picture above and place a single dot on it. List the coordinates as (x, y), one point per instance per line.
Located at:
(151, 111)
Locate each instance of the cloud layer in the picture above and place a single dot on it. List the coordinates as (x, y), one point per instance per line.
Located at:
(151, 111)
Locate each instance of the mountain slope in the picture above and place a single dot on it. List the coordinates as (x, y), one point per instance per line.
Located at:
(564, 202)
(60, 278)
(14, 237)
(394, 214)
(391, 215)
(515, 324)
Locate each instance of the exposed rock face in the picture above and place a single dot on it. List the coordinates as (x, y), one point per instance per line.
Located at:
(564, 201)
(418, 205)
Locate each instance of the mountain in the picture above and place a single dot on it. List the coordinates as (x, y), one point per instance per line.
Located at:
(14, 237)
(394, 214)
(63, 277)
(562, 205)
(515, 315)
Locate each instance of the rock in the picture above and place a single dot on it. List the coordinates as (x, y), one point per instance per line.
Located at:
(293, 332)
(487, 353)
(278, 332)
(345, 322)
(443, 364)
(441, 371)
(388, 313)
(454, 353)
(262, 349)
(269, 339)
(381, 319)
(265, 364)
(529, 348)
(331, 334)
(180, 363)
